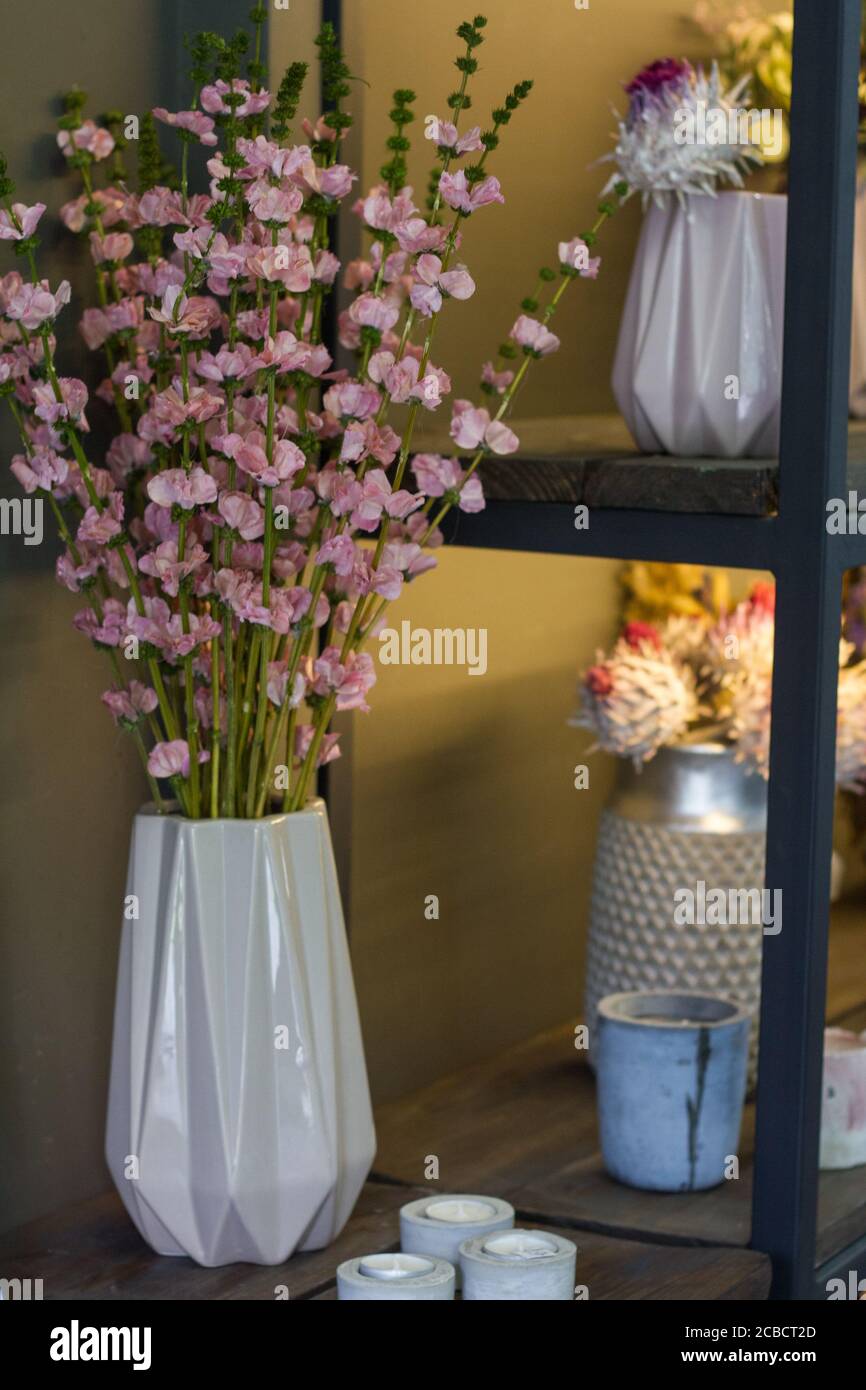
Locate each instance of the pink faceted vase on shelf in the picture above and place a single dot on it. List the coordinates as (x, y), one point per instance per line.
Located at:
(698, 364)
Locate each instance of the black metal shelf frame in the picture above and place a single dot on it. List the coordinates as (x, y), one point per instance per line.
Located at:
(808, 565)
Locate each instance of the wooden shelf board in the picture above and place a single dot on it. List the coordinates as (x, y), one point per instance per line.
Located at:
(591, 459)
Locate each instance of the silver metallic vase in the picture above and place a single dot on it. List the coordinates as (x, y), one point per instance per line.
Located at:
(689, 816)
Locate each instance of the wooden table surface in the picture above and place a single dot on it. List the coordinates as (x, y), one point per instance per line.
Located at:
(521, 1126)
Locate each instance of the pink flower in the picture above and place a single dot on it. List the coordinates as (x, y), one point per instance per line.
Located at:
(278, 679)
(352, 398)
(229, 364)
(213, 98)
(328, 749)
(363, 439)
(445, 136)
(286, 353)
(414, 235)
(270, 204)
(500, 381)
(432, 282)
(90, 138)
(384, 213)
(160, 207)
(169, 759)
(196, 315)
(372, 311)
(174, 487)
(291, 266)
(94, 327)
(170, 408)
(243, 514)
(350, 681)
(574, 255)
(471, 497)
(196, 122)
(21, 223)
(43, 469)
(435, 474)
(472, 428)
(100, 527)
(126, 454)
(326, 267)
(34, 305)
(387, 581)
(71, 406)
(264, 157)
(250, 455)
(329, 181)
(438, 476)
(129, 706)
(163, 564)
(320, 132)
(533, 337)
(462, 197)
(339, 551)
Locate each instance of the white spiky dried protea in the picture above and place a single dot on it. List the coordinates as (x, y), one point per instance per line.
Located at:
(654, 153)
(636, 701)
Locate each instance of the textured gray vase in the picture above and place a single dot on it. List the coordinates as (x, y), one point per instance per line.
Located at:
(239, 1118)
(705, 303)
(691, 814)
(671, 1083)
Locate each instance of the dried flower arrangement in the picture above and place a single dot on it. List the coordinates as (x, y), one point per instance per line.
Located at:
(650, 155)
(694, 679)
(256, 510)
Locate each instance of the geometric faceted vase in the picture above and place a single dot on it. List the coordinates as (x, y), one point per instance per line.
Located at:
(698, 366)
(239, 1118)
(690, 816)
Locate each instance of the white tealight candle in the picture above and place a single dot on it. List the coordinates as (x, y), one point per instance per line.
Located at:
(437, 1225)
(458, 1210)
(520, 1245)
(396, 1279)
(395, 1266)
(519, 1265)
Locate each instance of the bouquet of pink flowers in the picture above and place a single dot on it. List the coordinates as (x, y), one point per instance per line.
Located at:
(694, 679)
(255, 509)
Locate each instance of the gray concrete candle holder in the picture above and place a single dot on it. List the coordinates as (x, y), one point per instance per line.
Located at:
(671, 1069)
(438, 1224)
(399, 1278)
(518, 1265)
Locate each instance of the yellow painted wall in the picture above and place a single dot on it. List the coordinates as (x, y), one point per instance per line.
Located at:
(463, 787)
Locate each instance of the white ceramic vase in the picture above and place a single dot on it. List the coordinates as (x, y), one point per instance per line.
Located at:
(239, 1117)
(698, 366)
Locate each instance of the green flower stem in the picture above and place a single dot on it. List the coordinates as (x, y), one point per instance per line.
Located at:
(119, 399)
(192, 726)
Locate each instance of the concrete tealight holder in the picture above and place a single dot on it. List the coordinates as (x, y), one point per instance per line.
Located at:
(671, 1070)
(437, 1225)
(518, 1265)
(401, 1278)
(843, 1104)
